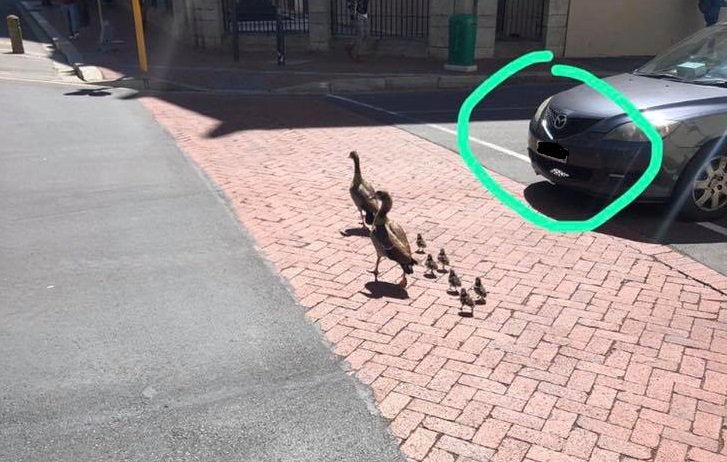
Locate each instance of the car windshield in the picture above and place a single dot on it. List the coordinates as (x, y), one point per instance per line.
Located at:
(701, 58)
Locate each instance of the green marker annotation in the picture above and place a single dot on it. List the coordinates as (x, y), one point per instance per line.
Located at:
(528, 214)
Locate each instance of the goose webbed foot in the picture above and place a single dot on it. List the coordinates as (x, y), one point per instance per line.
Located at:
(403, 282)
(375, 272)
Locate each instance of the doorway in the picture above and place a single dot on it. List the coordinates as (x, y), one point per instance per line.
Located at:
(520, 26)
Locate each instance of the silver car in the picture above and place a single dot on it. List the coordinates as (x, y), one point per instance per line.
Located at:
(579, 139)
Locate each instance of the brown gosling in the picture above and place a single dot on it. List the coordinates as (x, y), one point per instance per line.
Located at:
(466, 300)
(421, 243)
(443, 259)
(454, 282)
(479, 290)
(431, 264)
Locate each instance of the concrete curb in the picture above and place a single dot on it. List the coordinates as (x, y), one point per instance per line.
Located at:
(410, 82)
(75, 59)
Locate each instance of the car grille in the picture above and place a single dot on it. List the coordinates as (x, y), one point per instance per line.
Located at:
(571, 172)
(573, 125)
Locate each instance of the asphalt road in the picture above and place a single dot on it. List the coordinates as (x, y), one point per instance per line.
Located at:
(499, 140)
(138, 321)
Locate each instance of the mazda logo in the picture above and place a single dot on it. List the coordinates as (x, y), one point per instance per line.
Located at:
(560, 121)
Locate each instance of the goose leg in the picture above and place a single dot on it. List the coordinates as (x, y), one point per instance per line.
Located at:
(375, 271)
(402, 283)
(363, 220)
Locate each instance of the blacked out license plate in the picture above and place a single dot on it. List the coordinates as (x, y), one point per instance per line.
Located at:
(553, 150)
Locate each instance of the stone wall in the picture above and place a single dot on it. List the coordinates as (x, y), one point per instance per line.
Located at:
(486, 11)
(174, 22)
(206, 22)
(319, 20)
(556, 25)
(439, 13)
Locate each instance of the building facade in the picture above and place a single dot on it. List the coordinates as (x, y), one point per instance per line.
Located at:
(505, 28)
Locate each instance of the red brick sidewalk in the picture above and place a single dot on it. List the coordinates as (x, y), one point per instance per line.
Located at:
(590, 347)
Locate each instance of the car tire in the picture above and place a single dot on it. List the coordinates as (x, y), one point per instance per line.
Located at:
(701, 191)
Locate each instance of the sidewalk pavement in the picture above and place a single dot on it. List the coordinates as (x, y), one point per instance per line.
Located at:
(185, 67)
(590, 347)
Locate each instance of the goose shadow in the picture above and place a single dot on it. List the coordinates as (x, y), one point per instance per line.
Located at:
(361, 232)
(378, 289)
(466, 314)
(453, 292)
(430, 276)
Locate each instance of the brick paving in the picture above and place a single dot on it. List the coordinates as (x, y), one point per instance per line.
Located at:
(590, 347)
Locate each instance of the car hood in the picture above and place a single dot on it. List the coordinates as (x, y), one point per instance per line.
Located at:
(644, 93)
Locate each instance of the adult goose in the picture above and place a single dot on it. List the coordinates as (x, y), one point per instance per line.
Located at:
(390, 240)
(362, 193)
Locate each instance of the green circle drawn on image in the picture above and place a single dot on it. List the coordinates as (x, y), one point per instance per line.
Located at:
(605, 89)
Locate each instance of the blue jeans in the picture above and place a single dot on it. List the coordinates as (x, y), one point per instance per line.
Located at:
(71, 14)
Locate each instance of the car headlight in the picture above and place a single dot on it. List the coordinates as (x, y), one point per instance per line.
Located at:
(630, 132)
(541, 108)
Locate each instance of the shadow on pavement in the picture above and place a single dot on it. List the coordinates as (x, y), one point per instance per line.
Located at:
(643, 222)
(89, 92)
(359, 231)
(379, 289)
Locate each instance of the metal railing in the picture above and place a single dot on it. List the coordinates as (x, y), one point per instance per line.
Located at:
(387, 18)
(520, 19)
(259, 16)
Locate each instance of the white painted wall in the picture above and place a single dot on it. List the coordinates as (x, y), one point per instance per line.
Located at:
(603, 28)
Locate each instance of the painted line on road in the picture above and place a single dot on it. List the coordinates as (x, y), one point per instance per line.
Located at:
(713, 227)
(486, 144)
(484, 109)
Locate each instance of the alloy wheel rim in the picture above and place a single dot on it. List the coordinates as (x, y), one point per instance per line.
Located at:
(710, 187)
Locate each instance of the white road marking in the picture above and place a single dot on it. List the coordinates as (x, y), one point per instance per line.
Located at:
(486, 144)
(483, 109)
(710, 226)
(713, 227)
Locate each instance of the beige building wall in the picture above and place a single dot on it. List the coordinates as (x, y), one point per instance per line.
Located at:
(600, 28)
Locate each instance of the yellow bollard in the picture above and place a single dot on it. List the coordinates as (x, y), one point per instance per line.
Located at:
(16, 35)
(140, 43)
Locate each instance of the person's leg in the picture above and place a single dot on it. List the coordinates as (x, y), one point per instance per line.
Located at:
(712, 15)
(66, 11)
(75, 18)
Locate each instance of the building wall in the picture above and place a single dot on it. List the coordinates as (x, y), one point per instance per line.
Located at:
(629, 27)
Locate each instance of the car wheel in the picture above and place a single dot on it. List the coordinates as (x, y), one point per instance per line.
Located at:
(701, 192)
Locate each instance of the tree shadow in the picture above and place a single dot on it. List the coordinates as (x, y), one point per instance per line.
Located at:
(379, 289)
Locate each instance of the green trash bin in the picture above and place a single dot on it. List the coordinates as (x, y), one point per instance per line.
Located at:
(462, 34)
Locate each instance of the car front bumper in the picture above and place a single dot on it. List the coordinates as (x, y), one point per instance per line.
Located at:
(599, 167)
